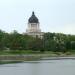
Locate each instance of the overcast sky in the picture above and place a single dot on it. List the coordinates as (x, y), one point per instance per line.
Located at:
(54, 15)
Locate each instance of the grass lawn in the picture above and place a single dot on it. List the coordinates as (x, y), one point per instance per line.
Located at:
(28, 52)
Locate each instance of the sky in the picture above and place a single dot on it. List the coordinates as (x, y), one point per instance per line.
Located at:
(54, 15)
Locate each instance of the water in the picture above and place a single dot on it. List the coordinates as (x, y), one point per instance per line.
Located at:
(42, 67)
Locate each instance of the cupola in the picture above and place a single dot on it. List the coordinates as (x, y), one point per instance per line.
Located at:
(33, 19)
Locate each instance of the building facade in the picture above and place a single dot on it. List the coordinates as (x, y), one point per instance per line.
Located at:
(34, 27)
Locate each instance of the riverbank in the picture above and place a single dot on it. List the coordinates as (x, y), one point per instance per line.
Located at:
(30, 52)
(31, 57)
(20, 56)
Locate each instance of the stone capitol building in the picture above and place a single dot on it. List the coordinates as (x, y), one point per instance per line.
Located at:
(34, 27)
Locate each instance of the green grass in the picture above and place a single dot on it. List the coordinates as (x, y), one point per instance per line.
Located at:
(4, 52)
(23, 52)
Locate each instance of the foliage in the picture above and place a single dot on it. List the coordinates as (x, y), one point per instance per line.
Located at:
(56, 42)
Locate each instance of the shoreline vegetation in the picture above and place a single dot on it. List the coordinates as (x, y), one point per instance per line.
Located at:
(21, 56)
(21, 47)
(36, 53)
(55, 42)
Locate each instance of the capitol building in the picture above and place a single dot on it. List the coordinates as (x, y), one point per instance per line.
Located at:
(33, 27)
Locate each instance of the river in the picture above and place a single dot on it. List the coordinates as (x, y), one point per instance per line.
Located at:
(42, 67)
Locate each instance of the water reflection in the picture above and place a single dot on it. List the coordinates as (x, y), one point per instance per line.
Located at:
(42, 67)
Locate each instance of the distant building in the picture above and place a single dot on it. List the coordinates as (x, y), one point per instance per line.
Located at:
(34, 27)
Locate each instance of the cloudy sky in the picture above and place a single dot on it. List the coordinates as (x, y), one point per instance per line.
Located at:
(54, 15)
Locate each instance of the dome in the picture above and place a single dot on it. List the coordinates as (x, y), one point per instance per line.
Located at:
(33, 19)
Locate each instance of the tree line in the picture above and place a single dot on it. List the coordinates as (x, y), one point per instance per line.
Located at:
(56, 42)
